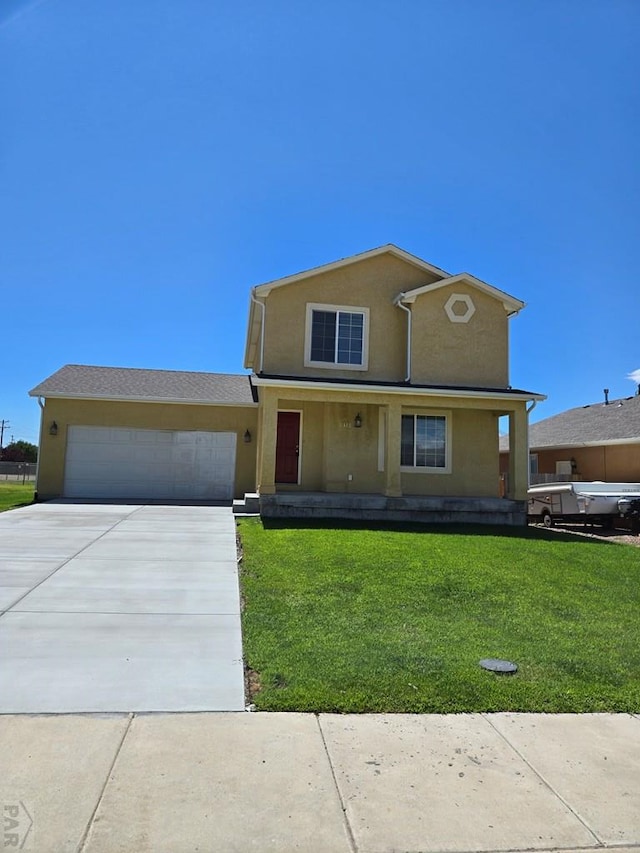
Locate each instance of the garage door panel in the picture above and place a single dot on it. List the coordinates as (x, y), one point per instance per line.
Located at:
(124, 437)
(183, 456)
(90, 434)
(154, 437)
(85, 454)
(118, 462)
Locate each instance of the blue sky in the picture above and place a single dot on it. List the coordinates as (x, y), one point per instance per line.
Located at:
(157, 159)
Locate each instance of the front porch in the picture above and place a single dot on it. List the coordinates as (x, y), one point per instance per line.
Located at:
(380, 508)
(367, 453)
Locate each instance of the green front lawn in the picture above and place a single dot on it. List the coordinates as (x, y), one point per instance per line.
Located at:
(13, 494)
(354, 620)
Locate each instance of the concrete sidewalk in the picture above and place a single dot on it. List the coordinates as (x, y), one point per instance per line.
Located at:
(172, 783)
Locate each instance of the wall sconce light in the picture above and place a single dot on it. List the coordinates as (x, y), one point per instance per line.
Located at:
(53, 429)
(357, 421)
(247, 437)
(574, 465)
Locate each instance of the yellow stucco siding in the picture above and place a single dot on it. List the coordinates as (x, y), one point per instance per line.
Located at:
(352, 464)
(331, 447)
(372, 283)
(336, 456)
(168, 416)
(474, 460)
(456, 353)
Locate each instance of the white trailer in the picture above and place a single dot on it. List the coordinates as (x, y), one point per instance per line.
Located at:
(596, 503)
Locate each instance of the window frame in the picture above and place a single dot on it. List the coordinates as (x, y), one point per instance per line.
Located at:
(337, 309)
(430, 469)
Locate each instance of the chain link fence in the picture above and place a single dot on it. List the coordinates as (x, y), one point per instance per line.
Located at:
(22, 472)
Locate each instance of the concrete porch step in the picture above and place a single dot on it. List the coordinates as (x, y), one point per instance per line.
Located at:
(249, 505)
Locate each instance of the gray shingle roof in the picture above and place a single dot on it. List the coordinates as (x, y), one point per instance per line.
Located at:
(132, 383)
(592, 424)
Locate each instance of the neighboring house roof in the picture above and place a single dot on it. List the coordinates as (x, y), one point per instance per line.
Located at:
(84, 381)
(592, 425)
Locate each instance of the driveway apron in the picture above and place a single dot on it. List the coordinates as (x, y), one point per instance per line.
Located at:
(107, 608)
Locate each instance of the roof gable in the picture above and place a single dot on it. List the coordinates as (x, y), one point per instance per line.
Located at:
(511, 304)
(259, 293)
(388, 249)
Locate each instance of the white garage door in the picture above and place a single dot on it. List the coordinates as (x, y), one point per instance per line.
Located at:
(112, 462)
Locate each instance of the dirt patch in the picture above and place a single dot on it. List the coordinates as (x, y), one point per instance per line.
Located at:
(589, 532)
(252, 683)
(239, 551)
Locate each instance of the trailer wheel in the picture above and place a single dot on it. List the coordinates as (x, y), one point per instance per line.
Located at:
(546, 518)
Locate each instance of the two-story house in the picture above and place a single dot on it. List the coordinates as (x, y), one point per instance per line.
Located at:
(376, 387)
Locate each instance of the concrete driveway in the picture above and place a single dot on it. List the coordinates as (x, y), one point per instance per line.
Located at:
(119, 608)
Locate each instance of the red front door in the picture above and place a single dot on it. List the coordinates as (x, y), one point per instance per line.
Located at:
(287, 447)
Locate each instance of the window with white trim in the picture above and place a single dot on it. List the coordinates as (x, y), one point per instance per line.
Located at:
(425, 443)
(337, 337)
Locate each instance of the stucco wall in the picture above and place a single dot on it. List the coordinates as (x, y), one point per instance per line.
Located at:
(145, 416)
(354, 449)
(332, 448)
(373, 284)
(452, 353)
(474, 460)
(472, 353)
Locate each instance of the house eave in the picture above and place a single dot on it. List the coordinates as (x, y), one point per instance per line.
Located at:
(611, 442)
(113, 398)
(403, 389)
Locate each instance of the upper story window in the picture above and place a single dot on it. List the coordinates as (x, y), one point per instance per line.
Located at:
(337, 336)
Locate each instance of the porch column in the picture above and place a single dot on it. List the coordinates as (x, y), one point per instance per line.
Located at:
(268, 433)
(518, 454)
(393, 486)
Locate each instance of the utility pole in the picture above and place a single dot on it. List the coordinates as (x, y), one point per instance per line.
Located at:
(3, 425)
